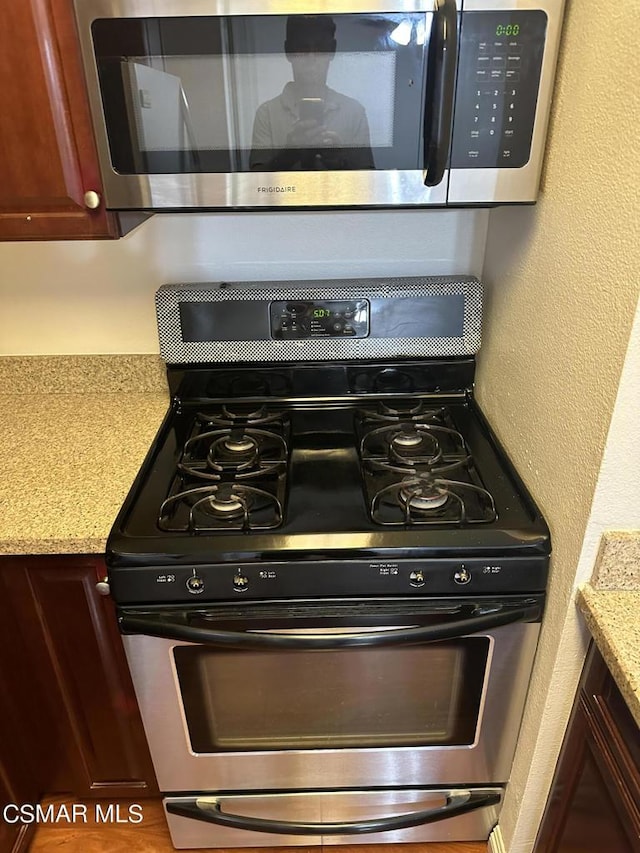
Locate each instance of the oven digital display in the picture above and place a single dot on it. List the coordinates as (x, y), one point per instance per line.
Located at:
(319, 318)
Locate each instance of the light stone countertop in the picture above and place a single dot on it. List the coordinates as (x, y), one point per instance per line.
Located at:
(74, 433)
(610, 605)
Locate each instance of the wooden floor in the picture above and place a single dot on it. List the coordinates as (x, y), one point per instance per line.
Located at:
(152, 836)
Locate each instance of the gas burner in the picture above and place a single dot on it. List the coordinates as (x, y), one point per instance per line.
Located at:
(423, 494)
(240, 414)
(234, 451)
(241, 444)
(426, 499)
(224, 503)
(412, 446)
(225, 507)
(239, 452)
(406, 438)
(409, 444)
(406, 410)
(220, 507)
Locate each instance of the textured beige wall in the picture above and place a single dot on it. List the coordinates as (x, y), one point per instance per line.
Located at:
(94, 296)
(562, 287)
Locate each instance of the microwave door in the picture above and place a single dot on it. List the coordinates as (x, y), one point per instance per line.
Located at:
(178, 114)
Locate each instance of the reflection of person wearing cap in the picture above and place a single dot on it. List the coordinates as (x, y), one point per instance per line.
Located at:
(309, 125)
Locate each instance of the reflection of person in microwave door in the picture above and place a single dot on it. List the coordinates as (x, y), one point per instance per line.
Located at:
(309, 125)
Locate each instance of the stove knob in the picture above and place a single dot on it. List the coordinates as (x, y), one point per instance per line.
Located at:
(195, 584)
(462, 576)
(240, 582)
(416, 579)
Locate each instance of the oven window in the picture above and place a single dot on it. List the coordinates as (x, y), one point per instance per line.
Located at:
(402, 696)
(263, 93)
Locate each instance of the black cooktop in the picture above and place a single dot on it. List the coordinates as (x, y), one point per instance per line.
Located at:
(300, 465)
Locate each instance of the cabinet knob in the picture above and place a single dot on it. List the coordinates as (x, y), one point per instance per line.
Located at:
(92, 199)
(103, 586)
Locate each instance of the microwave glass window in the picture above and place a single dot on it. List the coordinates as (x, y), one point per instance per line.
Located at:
(418, 696)
(268, 93)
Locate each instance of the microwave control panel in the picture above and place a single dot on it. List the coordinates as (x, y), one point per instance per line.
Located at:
(497, 89)
(320, 318)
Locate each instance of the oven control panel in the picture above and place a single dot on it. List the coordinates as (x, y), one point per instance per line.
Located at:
(351, 578)
(319, 318)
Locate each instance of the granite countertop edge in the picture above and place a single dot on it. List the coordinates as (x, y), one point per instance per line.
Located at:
(65, 545)
(612, 617)
(79, 428)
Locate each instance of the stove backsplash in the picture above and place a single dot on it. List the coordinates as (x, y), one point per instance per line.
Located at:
(295, 321)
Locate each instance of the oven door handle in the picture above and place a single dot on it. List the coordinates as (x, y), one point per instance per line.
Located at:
(169, 628)
(209, 809)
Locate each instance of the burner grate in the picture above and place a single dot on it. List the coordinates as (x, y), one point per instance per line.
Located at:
(214, 490)
(425, 499)
(407, 465)
(224, 506)
(407, 410)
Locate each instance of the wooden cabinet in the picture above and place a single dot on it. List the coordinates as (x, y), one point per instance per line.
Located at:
(20, 727)
(75, 704)
(48, 159)
(594, 804)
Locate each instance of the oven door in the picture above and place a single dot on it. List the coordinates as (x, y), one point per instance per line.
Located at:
(242, 104)
(332, 694)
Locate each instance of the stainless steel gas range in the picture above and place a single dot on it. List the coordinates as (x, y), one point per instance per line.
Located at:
(329, 577)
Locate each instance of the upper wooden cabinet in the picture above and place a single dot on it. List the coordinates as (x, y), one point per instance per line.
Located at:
(48, 160)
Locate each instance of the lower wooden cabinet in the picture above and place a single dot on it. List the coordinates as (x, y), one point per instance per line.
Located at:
(73, 707)
(21, 724)
(594, 804)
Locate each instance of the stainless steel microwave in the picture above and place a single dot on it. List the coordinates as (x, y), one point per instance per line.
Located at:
(252, 104)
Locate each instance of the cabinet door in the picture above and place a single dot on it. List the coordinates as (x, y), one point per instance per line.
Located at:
(14, 836)
(88, 657)
(98, 746)
(22, 749)
(594, 805)
(48, 159)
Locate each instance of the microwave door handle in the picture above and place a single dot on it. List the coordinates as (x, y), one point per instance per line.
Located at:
(458, 802)
(441, 70)
(176, 628)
